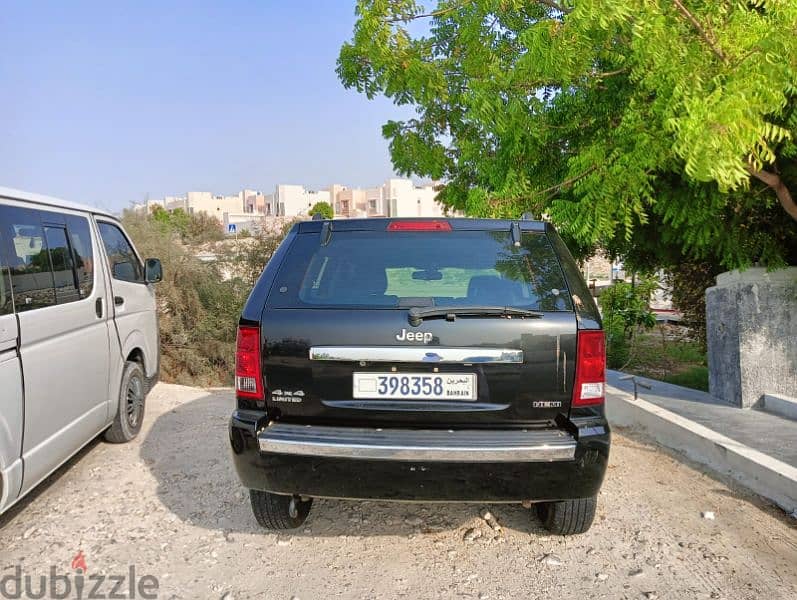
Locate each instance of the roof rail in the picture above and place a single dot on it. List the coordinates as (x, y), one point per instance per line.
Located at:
(326, 233)
(515, 231)
(527, 216)
(317, 216)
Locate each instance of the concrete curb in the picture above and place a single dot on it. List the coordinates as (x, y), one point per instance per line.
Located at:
(763, 474)
(777, 404)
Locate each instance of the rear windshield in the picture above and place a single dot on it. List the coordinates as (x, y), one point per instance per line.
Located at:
(373, 269)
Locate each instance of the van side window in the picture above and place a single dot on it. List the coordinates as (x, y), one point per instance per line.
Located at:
(6, 299)
(66, 289)
(83, 253)
(123, 261)
(27, 256)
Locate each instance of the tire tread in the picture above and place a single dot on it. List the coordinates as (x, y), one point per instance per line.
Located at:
(271, 510)
(568, 517)
(115, 434)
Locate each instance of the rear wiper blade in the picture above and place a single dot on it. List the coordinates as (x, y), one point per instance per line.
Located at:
(418, 314)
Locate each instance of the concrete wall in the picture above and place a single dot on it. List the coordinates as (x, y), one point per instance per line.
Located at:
(752, 335)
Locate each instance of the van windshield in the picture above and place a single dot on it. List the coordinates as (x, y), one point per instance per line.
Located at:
(372, 269)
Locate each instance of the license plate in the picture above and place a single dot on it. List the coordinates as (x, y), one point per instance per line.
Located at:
(415, 386)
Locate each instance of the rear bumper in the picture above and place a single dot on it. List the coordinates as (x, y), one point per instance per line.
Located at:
(417, 445)
(413, 465)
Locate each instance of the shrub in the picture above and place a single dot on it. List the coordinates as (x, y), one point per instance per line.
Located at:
(246, 258)
(617, 344)
(325, 208)
(197, 310)
(625, 311)
(199, 302)
(195, 228)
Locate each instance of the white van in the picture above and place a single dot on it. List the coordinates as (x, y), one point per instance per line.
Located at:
(78, 335)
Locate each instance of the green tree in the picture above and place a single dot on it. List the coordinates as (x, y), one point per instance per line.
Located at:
(325, 208)
(626, 310)
(660, 130)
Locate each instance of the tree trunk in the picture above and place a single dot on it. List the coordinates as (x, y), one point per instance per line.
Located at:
(774, 181)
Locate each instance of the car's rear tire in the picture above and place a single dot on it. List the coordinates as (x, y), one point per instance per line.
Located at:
(132, 394)
(275, 511)
(568, 517)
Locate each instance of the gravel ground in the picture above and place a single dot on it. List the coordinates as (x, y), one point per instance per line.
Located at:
(170, 504)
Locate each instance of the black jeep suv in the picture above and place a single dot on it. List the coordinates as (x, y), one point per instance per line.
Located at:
(423, 360)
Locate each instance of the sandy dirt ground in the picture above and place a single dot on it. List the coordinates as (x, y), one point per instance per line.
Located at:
(170, 505)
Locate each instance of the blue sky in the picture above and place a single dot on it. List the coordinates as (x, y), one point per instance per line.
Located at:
(104, 102)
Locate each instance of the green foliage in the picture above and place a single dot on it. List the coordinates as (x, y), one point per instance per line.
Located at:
(625, 310)
(196, 228)
(694, 377)
(629, 302)
(666, 355)
(618, 348)
(325, 208)
(633, 125)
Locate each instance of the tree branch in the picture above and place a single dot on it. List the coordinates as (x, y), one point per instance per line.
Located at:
(703, 33)
(555, 189)
(556, 6)
(774, 181)
(605, 74)
(434, 13)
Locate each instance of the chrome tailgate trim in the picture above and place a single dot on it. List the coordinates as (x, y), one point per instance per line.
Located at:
(504, 445)
(428, 354)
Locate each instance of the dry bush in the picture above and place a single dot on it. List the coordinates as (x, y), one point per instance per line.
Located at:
(197, 310)
(199, 303)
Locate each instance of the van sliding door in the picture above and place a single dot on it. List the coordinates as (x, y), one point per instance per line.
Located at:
(11, 398)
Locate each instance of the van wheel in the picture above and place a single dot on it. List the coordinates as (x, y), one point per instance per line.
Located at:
(275, 511)
(130, 415)
(568, 517)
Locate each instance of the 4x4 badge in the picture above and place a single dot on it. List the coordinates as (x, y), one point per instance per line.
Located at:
(414, 336)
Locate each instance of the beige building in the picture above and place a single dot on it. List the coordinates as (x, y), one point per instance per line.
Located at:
(293, 201)
(395, 198)
(197, 202)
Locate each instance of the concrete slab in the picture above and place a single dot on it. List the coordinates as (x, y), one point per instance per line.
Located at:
(761, 472)
(770, 434)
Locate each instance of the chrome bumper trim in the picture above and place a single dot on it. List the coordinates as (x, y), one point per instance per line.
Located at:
(427, 354)
(432, 445)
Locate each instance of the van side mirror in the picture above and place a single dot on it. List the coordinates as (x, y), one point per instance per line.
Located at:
(153, 271)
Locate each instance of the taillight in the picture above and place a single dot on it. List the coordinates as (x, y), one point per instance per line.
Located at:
(425, 225)
(248, 375)
(590, 369)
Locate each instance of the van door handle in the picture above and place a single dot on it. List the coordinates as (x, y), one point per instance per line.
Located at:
(98, 307)
(118, 300)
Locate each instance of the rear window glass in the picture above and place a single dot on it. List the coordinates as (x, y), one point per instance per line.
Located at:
(400, 269)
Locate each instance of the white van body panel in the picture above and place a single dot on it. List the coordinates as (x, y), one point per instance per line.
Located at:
(33, 199)
(135, 315)
(61, 365)
(65, 357)
(11, 412)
